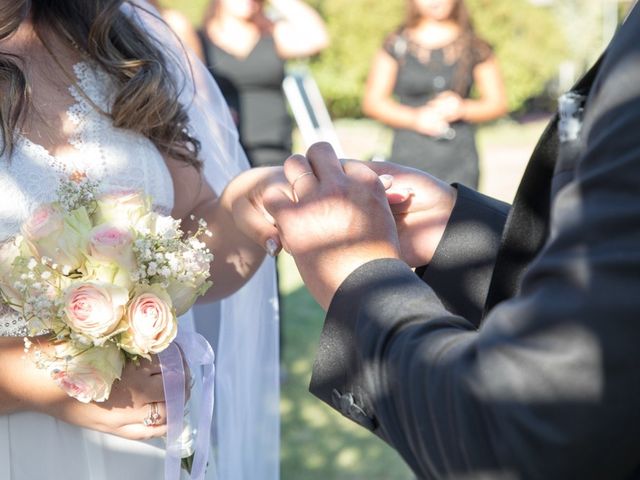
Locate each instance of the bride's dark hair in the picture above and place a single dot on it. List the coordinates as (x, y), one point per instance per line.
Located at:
(146, 100)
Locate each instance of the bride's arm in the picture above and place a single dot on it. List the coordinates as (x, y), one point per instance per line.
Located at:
(14, 380)
(236, 210)
(25, 387)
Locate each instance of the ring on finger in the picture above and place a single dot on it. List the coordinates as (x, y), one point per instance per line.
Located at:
(293, 184)
(153, 418)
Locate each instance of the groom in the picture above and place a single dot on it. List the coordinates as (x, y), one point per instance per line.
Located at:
(514, 350)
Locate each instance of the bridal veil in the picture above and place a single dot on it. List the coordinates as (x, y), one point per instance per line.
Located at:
(243, 329)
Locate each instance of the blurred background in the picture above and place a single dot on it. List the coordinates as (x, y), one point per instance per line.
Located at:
(542, 47)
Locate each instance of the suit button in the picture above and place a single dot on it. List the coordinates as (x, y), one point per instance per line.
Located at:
(345, 404)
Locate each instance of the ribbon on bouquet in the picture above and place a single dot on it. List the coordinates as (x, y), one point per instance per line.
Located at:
(198, 353)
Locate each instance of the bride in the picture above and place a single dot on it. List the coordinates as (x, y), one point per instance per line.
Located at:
(101, 87)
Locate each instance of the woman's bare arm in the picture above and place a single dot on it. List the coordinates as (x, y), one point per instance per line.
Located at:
(25, 387)
(239, 227)
(300, 32)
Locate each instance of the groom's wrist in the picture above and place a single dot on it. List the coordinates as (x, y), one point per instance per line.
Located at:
(323, 283)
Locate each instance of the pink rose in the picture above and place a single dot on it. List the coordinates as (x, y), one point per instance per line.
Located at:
(152, 322)
(43, 222)
(95, 309)
(58, 236)
(111, 243)
(87, 375)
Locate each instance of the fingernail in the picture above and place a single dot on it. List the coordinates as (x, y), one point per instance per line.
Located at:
(410, 191)
(386, 181)
(272, 247)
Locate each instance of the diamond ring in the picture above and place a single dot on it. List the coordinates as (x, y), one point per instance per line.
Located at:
(154, 416)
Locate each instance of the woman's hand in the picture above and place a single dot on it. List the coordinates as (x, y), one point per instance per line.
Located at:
(248, 209)
(133, 398)
(428, 121)
(300, 32)
(448, 105)
(25, 387)
(421, 205)
(241, 233)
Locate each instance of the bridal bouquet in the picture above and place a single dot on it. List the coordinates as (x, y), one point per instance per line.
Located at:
(106, 277)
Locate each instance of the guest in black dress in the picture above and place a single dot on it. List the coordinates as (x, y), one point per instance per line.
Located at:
(246, 51)
(420, 82)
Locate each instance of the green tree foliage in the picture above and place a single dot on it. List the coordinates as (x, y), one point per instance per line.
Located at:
(527, 42)
(527, 39)
(357, 29)
(192, 9)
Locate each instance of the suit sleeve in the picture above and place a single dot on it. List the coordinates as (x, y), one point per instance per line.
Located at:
(473, 236)
(549, 385)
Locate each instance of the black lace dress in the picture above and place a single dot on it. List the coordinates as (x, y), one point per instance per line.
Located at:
(422, 74)
(252, 87)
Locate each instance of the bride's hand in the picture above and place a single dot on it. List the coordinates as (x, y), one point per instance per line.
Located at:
(138, 393)
(421, 205)
(247, 206)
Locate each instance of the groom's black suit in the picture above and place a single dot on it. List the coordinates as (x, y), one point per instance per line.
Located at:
(517, 352)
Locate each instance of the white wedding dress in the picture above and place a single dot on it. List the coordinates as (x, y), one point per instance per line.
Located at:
(36, 446)
(245, 432)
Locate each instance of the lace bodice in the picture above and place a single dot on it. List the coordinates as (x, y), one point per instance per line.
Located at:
(116, 158)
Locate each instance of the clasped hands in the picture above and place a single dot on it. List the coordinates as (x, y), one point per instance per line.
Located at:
(335, 215)
(435, 117)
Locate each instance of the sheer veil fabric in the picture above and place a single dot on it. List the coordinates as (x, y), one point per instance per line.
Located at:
(243, 329)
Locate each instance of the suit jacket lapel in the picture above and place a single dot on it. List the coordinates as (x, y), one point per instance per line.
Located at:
(527, 225)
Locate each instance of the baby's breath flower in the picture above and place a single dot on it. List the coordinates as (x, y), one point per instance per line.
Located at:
(27, 344)
(76, 191)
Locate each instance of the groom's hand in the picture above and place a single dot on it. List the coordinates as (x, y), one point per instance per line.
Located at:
(332, 219)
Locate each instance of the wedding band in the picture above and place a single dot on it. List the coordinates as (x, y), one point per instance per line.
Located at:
(154, 416)
(293, 184)
(303, 174)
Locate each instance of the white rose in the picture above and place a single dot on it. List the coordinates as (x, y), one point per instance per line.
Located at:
(87, 375)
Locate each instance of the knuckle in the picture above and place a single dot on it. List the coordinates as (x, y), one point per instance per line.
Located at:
(295, 159)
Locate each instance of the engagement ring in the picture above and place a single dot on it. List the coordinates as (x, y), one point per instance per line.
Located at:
(154, 417)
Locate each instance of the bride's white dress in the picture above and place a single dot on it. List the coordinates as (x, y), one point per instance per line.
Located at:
(35, 446)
